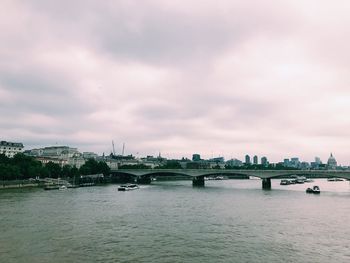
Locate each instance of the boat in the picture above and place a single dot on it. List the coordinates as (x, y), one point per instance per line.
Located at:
(300, 179)
(313, 190)
(308, 180)
(292, 181)
(62, 187)
(128, 187)
(334, 179)
(51, 187)
(72, 186)
(284, 182)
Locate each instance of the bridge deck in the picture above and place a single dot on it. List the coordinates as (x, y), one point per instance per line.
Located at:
(263, 174)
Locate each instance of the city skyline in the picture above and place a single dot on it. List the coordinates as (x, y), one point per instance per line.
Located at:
(16, 147)
(221, 79)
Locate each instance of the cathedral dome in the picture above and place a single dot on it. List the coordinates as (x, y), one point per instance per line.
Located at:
(331, 163)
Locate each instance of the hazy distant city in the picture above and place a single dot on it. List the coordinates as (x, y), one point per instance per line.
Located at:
(65, 155)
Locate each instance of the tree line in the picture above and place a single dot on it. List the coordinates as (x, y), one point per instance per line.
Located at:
(24, 167)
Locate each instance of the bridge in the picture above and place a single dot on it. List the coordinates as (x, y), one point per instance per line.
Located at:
(198, 175)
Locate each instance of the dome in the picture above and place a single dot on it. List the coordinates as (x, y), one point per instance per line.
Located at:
(332, 163)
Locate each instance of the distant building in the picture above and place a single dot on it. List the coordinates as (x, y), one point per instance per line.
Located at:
(255, 159)
(217, 160)
(286, 162)
(62, 155)
(10, 149)
(294, 162)
(247, 159)
(54, 151)
(45, 160)
(331, 163)
(196, 157)
(90, 155)
(305, 165)
(234, 163)
(318, 160)
(264, 161)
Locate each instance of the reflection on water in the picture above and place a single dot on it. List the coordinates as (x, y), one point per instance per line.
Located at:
(227, 221)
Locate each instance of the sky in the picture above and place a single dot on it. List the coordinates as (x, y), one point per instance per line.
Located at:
(218, 78)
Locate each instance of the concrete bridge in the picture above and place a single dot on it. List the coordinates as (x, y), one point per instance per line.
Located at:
(198, 175)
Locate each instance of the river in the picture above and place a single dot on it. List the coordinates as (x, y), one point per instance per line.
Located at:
(227, 221)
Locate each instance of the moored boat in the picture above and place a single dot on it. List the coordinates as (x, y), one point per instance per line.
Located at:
(51, 187)
(284, 182)
(335, 179)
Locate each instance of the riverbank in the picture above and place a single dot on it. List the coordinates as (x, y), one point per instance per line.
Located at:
(15, 186)
(19, 184)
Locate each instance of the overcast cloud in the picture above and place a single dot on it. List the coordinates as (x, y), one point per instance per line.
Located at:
(180, 77)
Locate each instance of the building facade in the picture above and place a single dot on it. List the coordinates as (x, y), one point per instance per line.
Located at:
(10, 149)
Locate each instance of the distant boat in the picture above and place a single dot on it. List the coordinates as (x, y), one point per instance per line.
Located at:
(72, 186)
(128, 187)
(219, 177)
(62, 187)
(314, 190)
(285, 182)
(300, 179)
(308, 180)
(334, 179)
(51, 187)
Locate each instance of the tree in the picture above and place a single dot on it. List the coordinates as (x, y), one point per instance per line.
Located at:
(171, 165)
(66, 171)
(4, 159)
(91, 166)
(54, 169)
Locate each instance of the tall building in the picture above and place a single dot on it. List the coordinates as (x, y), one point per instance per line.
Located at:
(255, 159)
(264, 161)
(196, 157)
(10, 149)
(318, 160)
(294, 162)
(331, 163)
(247, 159)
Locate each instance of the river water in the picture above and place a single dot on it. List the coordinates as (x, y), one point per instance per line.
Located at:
(227, 221)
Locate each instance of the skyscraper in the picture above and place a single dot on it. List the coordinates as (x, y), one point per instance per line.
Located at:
(255, 159)
(264, 161)
(247, 159)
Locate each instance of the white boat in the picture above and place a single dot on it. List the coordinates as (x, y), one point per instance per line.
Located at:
(128, 187)
(284, 182)
(63, 187)
(308, 180)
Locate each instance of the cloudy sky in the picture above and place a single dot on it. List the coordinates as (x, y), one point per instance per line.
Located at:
(212, 77)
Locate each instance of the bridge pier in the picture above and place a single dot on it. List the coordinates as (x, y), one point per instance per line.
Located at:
(266, 183)
(198, 181)
(143, 180)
